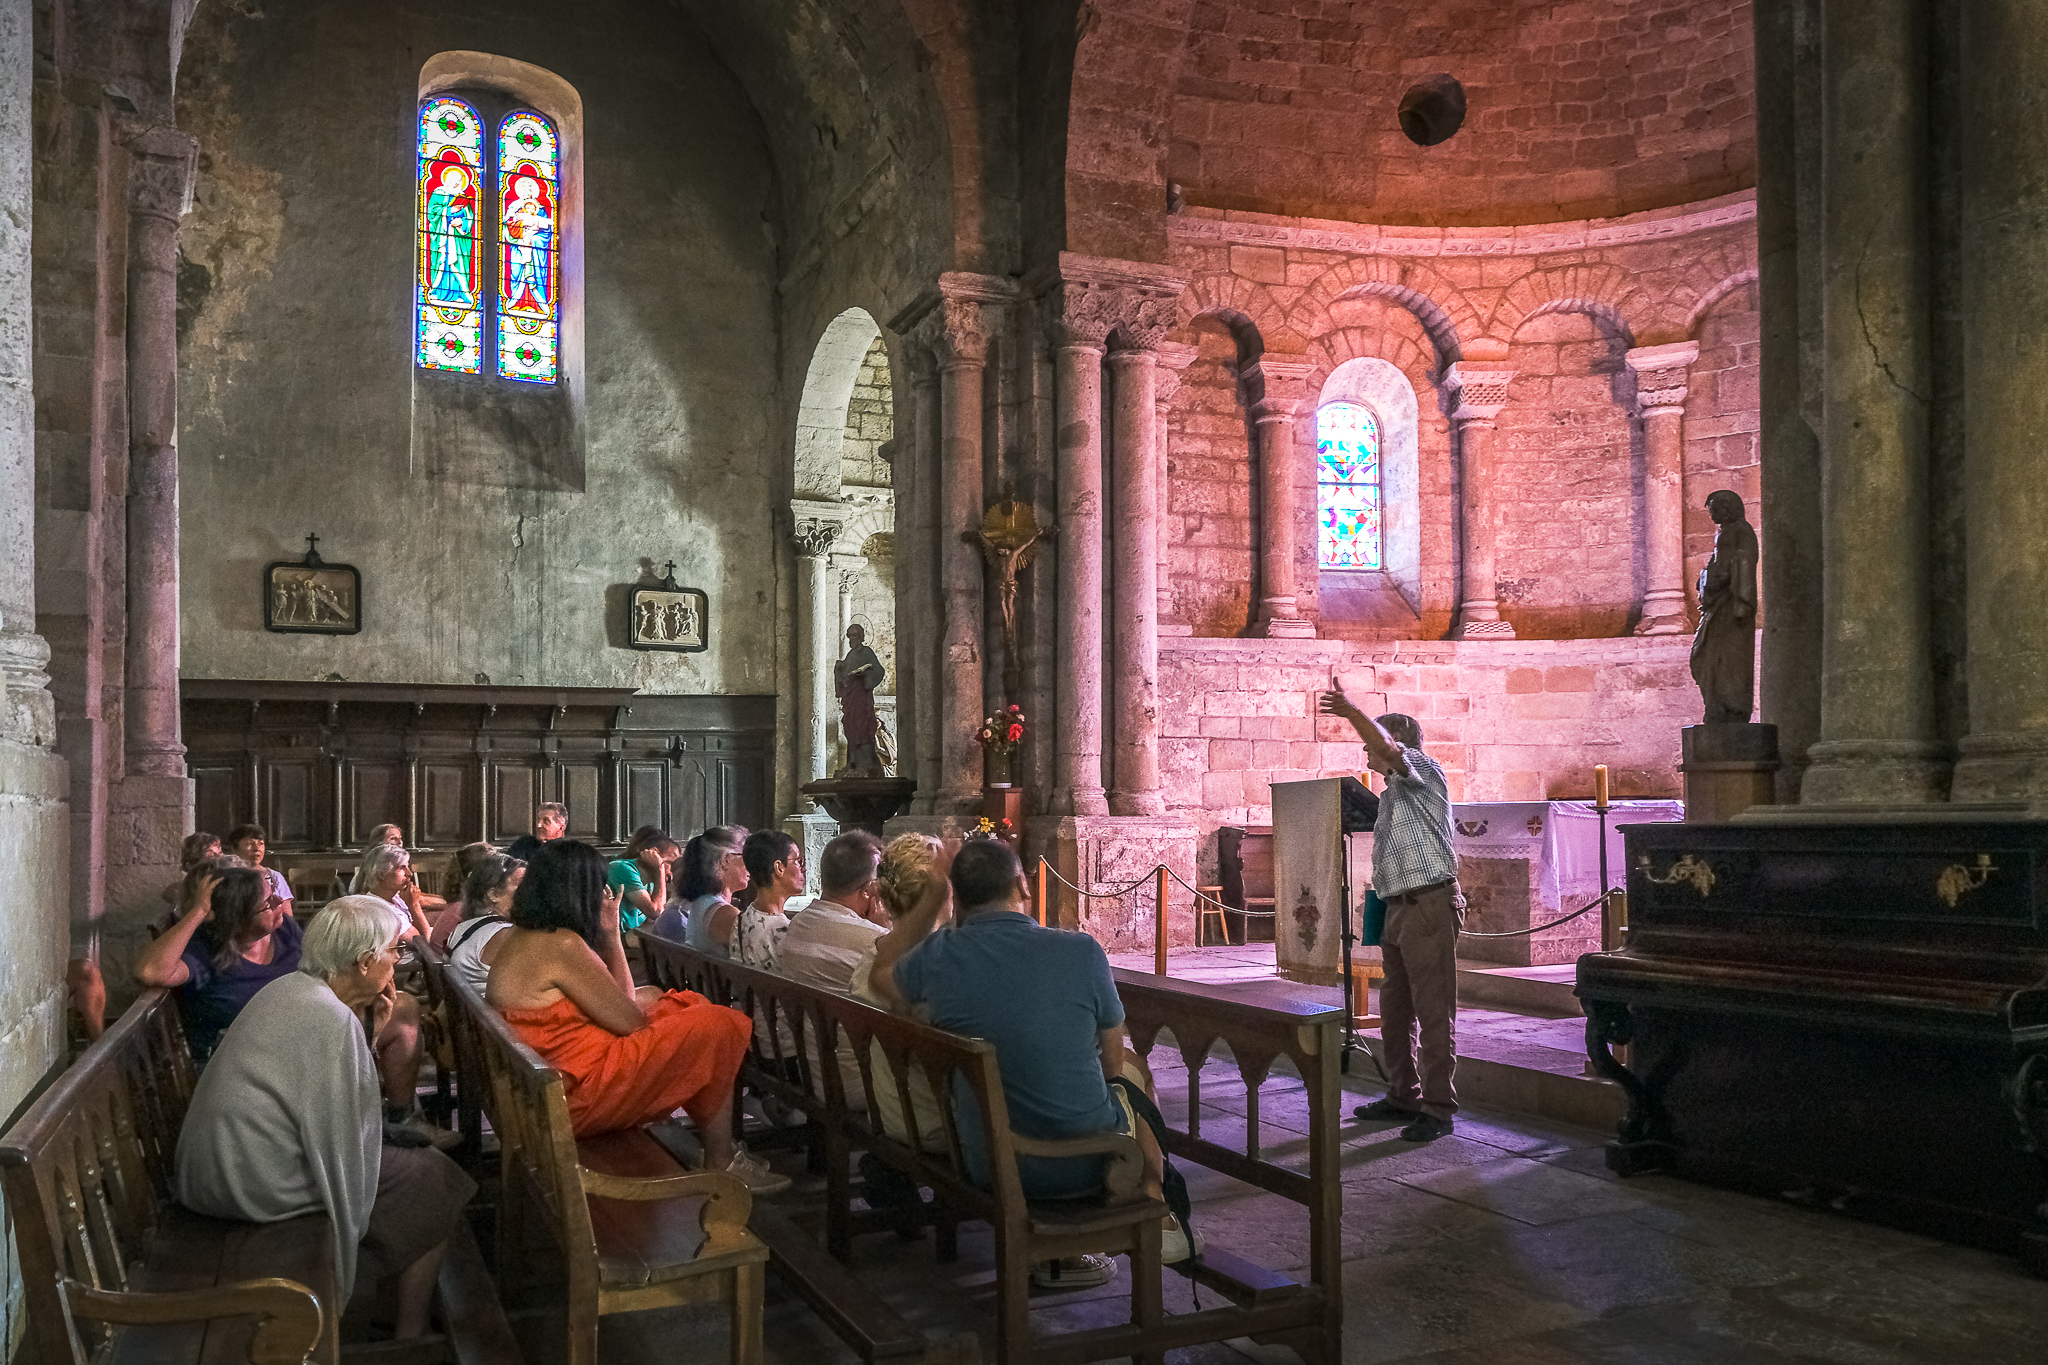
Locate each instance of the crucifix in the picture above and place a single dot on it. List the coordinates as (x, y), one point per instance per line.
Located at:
(1008, 535)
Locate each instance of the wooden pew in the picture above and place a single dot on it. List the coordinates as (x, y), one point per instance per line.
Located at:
(1261, 1022)
(636, 1229)
(111, 1267)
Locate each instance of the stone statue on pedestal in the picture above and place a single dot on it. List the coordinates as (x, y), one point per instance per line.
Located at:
(855, 678)
(1724, 649)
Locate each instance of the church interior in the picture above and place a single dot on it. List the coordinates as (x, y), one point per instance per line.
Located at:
(1008, 419)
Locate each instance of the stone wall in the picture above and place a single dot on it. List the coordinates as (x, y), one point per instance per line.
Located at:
(1561, 305)
(296, 358)
(1573, 110)
(1508, 720)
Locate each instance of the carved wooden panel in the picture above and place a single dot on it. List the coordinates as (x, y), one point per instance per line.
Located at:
(515, 791)
(447, 815)
(645, 795)
(375, 793)
(218, 802)
(289, 786)
(577, 784)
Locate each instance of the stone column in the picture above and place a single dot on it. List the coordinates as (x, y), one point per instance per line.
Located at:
(1078, 337)
(1476, 397)
(1878, 743)
(1134, 586)
(33, 813)
(815, 529)
(2004, 199)
(1170, 360)
(917, 580)
(1663, 374)
(1273, 392)
(960, 340)
(160, 192)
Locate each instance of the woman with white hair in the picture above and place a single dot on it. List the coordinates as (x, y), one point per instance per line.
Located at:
(286, 1119)
(386, 873)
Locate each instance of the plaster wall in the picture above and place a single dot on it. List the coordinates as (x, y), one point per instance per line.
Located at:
(296, 378)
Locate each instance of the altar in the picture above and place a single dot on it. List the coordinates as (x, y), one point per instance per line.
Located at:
(1530, 862)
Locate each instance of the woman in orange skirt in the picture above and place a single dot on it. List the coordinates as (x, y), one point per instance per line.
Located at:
(627, 1056)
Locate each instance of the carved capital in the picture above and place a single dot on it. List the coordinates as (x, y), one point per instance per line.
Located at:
(958, 332)
(1082, 315)
(1275, 386)
(815, 539)
(1663, 376)
(1169, 359)
(814, 526)
(163, 163)
(1144, 317)
(847, 579)
(1476, 394)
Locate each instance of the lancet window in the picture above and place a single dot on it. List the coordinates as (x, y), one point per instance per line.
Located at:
(1347, 487)
(494, 200)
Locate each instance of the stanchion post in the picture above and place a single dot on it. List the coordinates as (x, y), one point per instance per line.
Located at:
(1159, 924)
(1044, 912)
(1607, 935)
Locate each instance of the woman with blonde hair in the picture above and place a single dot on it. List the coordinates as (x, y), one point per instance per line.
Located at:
(910, 864)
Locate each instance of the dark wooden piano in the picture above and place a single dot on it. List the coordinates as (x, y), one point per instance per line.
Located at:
(1850, 1015)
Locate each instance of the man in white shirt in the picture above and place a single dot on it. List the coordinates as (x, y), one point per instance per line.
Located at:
(826, 938)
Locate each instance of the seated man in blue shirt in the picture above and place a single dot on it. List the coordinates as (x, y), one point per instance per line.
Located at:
(1047, 1002)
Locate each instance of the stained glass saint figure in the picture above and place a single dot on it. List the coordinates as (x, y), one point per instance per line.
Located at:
(448, 322)
(528, 231)
(1347, 487)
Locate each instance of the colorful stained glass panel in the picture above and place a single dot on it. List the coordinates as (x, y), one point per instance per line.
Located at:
(448, 313)
(1347, 487)
(528, 261)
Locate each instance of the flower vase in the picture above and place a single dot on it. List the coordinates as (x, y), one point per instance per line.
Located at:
(996, 768)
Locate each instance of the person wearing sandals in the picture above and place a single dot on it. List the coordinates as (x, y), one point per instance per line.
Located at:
(1047, 1002)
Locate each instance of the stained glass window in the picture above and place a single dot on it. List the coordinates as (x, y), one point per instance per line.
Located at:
(448, 329)
(1347, 487)
(528, 318)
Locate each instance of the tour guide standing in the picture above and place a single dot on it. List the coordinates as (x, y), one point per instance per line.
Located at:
(1416, 874)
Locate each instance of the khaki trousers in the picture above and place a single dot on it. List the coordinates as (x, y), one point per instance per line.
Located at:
(1420, 996)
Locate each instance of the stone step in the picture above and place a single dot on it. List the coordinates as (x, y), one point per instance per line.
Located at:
(1529, 990)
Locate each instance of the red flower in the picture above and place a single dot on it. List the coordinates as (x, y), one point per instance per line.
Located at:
(1016, 733)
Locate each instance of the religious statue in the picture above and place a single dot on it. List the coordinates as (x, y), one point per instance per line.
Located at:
(1008, 536)
(855, 678)
(1724, 649)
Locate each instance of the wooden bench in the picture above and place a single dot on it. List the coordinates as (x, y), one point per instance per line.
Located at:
(111, 1267)
(636, 1229)
(1261, 1023)
(114, 1270)
(1027, 1232)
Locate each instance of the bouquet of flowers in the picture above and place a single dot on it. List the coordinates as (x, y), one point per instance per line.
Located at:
(1003, 731)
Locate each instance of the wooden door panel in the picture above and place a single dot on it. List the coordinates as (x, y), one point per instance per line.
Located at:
(577, 785)
(646, 795)
(515, 791)
(217, 797)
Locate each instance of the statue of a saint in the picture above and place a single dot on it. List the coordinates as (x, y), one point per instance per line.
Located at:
(855, 678)
(1724, 649)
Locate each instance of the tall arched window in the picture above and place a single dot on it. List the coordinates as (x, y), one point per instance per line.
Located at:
(518, 195)
(1347, 487)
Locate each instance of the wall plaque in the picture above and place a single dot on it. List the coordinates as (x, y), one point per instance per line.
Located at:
(312, 597)
(665, 616)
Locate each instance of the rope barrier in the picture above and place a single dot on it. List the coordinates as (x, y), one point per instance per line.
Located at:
(1202, 899)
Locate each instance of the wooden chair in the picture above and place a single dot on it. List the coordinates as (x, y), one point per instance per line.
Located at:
(636, 1230)
(111, 1267)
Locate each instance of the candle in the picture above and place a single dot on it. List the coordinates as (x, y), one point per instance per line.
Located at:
(1600, 785)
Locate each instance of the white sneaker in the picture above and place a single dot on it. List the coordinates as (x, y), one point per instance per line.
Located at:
(1174, 1243)
(756, 1174)
(424, 1131)
(1074, 1272)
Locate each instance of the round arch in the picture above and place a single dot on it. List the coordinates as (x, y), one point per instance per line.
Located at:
(1382, 389)
(821, 412)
